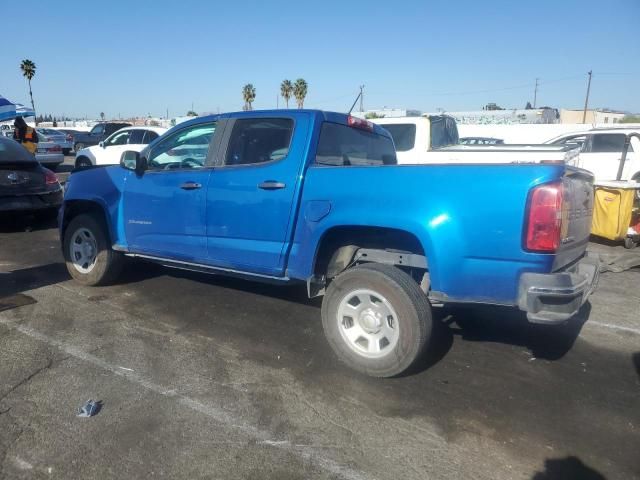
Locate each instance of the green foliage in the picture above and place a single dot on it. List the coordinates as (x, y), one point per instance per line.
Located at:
(300, 89)
(191, 113)
(286, 90)
(630, 119)
(249, 95)
(372, 115)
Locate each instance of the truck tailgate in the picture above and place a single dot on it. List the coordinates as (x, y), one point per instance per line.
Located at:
(577, 209)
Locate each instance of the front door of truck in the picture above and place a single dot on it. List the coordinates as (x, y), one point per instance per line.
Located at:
(253, 192)
(164, 208)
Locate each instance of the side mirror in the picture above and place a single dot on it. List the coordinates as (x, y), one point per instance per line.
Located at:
(131, 160)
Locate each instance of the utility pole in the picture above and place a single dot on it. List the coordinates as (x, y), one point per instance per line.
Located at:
(277, 102)
(586, 100)
(362, 98)
(535, 94)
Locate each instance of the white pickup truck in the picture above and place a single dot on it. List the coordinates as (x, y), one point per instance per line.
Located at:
(434, 139)
(601, 151)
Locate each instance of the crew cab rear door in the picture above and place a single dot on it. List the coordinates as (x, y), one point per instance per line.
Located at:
(253, 191)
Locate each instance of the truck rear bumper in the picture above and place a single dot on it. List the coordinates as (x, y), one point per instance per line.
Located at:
(555, 297)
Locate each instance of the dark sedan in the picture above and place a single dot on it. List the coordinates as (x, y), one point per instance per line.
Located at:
(25, 185)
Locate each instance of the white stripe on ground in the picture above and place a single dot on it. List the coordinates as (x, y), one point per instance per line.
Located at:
(614, 327)
(220, 415)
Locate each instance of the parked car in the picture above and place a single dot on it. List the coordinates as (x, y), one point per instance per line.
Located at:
(6, 130)
(481, 141)
(601, 150)
(110, 150)
(49, 153)
(434, 139)
(56, 136)
(97, 134)
(317, 197)
(25, 185)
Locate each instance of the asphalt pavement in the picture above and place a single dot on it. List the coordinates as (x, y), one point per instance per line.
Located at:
(209, 377)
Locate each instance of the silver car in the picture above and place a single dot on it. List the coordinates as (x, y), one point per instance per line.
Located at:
(49, 153)
(63, 139)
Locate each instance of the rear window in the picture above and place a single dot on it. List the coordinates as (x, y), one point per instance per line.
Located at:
(341, 145)
(12, 152)
(404, 135)
(444, 131)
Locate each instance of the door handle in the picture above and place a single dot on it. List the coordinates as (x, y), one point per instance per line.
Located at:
(271, 185)
(190, 186)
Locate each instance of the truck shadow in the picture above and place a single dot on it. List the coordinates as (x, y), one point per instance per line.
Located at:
(18, 281)
(28, 221)
(510, 326)
(568, 468)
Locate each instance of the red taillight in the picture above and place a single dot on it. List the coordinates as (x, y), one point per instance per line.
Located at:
(50, 178)
(54, 149)
(544, 226)
(359, 123)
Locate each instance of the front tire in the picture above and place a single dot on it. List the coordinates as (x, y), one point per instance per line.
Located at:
(87, 252)
(377, 319)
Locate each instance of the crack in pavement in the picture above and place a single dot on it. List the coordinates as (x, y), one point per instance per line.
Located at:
(26, 380)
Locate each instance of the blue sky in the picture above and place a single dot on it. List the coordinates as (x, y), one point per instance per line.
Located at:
(124, 57)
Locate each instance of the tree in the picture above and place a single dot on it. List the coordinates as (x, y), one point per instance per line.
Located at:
(29, 71)
(249, 95)
(300, 89)
(286, 90)
(372, 115)
(102, 116)
(630, 119)
(191, 113)
(528, 107)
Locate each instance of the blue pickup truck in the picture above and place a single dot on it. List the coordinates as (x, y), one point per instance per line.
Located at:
(317, 197)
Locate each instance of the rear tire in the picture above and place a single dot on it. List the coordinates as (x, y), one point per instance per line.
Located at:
(66, 151)
(87, 252)
(376, 319)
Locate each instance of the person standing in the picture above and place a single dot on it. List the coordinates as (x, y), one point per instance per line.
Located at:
(26, 135)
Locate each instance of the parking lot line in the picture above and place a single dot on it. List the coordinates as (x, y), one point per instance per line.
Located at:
(614, 327)
(306, 452)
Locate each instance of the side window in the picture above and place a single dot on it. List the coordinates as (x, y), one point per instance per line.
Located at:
(607, 142)
(259, 140)
(136, 136)
(186, 148)
(578, 140)
(118, 138)
(340, 145)
(98, 129)
(149, 137)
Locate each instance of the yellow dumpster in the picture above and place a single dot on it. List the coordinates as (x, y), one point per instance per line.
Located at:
(614, 211)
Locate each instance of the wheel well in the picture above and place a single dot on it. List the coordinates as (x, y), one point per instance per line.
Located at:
(73, 208)
(636, 176)
(339, 245)
(81, 157)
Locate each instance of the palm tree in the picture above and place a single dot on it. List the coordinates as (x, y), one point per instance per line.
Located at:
(286, 90)
(249, 95)
(29, 71)
(102, 116)
(300, 91)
